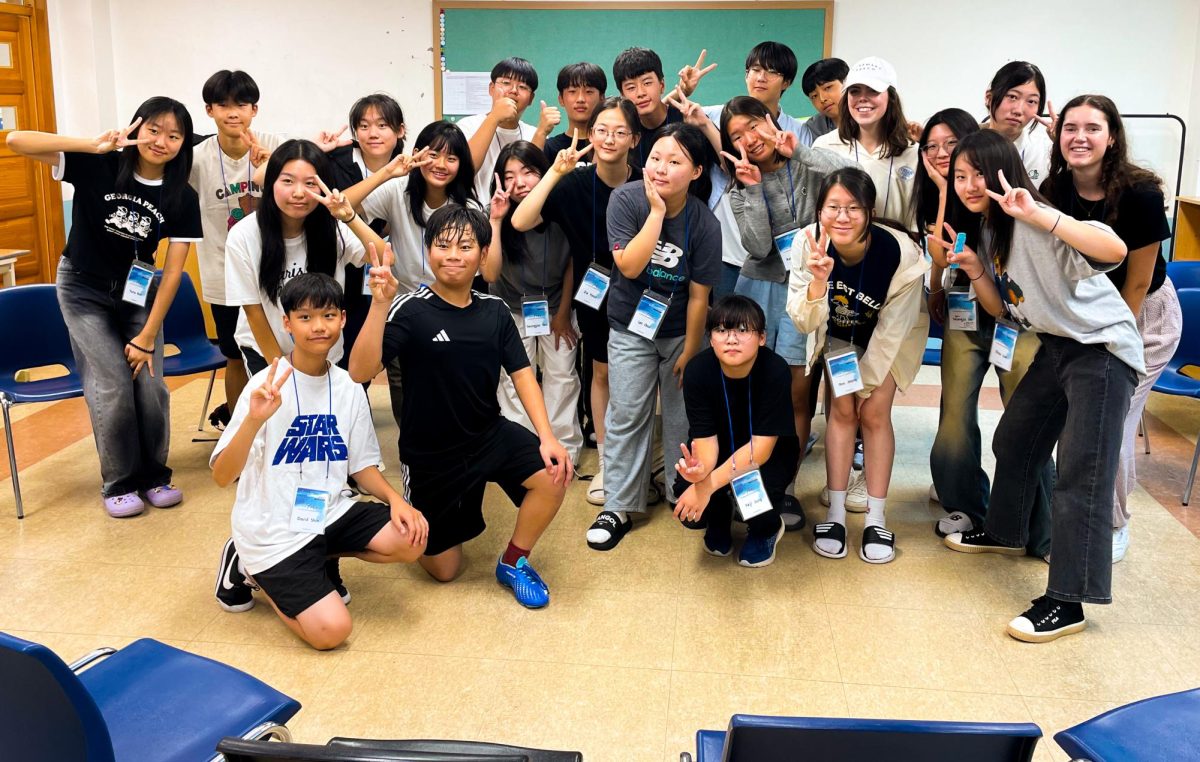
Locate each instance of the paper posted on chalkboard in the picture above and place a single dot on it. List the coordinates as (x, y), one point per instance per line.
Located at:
(466, 92)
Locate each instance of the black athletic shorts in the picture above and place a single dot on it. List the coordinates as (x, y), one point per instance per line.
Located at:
(299, 581)
(593, 326)
(225, 318)
(449, 492)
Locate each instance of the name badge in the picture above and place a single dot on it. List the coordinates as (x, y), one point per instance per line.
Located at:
(784, 242)
(536, 314)
(366, 287)
(844, 372)
(308, 510)
(1004, 343)
(751, 494)
(648, 316)
(593, 287)
(961, 310)
(137, 285)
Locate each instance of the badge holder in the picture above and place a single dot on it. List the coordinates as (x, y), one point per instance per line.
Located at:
(962, 312)
(366, 286)
(1004, 344)
(535, 313)
(137, 284)
(594, 286)
(784, 242)
(309, 507)
(649, 314)
(751, 494)
(845, 375)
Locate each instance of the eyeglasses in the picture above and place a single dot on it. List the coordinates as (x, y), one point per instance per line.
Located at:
(604, 134)
(512, 84)
(759, 71)
(931, 149)
(833, 210)
(741, 333)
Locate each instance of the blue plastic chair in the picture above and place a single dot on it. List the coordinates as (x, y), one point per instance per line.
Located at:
(184, 327)
(35, 335)
(1172, 381)
(148, 701)
(752, 738)
(1184, 274)
(1163, 727)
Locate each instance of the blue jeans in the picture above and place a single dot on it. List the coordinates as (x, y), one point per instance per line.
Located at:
(782, 336)
(1074, 396)
(729, 277)
(131, 417)
(962, 485)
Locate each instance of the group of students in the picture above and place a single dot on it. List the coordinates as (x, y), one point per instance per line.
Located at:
(711, 264)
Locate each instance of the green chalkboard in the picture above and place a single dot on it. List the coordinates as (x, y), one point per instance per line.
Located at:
(473, 36)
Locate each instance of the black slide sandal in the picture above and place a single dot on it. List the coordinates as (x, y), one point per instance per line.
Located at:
(833, 531)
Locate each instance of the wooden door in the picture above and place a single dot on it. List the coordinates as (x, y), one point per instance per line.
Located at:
(31, 209)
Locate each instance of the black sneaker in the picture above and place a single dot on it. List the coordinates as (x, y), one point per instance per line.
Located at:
(220, 416)
(977, 541)
(233, 592)
(1048, 619)
(792, 514)
(335, 576)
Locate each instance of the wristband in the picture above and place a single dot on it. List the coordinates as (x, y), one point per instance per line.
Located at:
(353, 216)
(1055, 225)
(140, 349)
(977, 277)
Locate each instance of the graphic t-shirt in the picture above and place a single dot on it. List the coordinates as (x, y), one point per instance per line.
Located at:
(109, 229)
(227, 195)
(450, 358)
(579, 205)
(689, 249)
(857, 293)
(244, 260)
(483, 174)
(321, 433)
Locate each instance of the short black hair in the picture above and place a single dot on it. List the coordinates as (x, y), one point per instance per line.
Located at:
(388, 109)
(453, 219)
(311, 290)
(825, 70)
(634, 62)
(736, 311)
(516, 68)
(229, 87)
(775, 56)
(582, 74)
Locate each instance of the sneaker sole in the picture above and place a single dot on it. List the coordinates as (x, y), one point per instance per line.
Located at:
(712, 552)
(1045, 637)
(236, 608)
(856, 508)
(998, 549)
(771, 559)
(595, 498)
(862, 553)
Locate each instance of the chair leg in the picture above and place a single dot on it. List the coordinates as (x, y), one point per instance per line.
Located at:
(1144, 430)
(1187, 491)
(212, 379)
(6, 403)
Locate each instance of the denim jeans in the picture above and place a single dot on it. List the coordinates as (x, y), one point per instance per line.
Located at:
(1074, 396)
(729, 277)
(131, 418)
(961, 483)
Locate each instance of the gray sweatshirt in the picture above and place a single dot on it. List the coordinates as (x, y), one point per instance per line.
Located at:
(780, 195)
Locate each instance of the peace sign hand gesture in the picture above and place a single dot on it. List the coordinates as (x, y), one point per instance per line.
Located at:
(265, 400)
(405, 163)
(1016, 202)
(114, 139)
(820, 264)
(383, 283)
(258, 154)
(785, 140)
(690, 76)
(692, 112)
(327, 141)
(568, 158)
(334, 201)
(1050, 122)
(746, 171)
(500, 202)
(689, 466)
(967, 259)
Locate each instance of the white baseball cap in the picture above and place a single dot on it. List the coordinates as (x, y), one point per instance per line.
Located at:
(874, 72)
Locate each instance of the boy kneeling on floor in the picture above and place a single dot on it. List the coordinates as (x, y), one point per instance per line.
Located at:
(291, 514)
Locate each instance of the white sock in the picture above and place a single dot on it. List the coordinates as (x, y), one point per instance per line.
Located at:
(836, 514)
(603, 535)
(875, 506)
(600, 455)
(622, 515)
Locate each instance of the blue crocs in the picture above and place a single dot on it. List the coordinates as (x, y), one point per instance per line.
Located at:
(526, 585)
(760, 551)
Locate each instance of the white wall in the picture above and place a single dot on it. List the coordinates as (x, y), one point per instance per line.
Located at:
(312, 59)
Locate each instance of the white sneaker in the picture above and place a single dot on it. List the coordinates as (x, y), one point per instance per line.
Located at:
(856, 493)
(1120, 543)
(955, 522)
(933, 495)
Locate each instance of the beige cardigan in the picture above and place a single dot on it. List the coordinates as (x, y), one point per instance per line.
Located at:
(898, 343)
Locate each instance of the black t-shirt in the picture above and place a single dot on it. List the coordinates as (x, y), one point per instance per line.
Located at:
(579, 205)
(766, 392)
(109, 228)
(561, 141)
(1141, 220)
(450, 359)
(639, 153)
(689, 249)
(858, 293)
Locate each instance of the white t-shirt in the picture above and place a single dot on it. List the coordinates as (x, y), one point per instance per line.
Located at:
(1034, 145)
(390, 202)
(243, 258)
(483, 175)
(326, 430)
(227, 194)
(893, 176)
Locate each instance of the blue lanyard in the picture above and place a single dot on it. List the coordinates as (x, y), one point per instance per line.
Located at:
(791, 197)
(891, 160)
(296, 389)
(749, 419)
(687, 239)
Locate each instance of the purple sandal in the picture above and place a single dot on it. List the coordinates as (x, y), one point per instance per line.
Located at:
(165, 496)
(124, 506)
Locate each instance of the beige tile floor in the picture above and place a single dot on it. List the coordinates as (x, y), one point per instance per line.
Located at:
(641, 646)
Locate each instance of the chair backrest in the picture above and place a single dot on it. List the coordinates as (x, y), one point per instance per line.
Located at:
(45, 712)
(1162, 727)
(238, 750)
(185, 319)
(34, 332)
(1188, 351)
(776, 739)
(484, 748)
(1184, 273)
